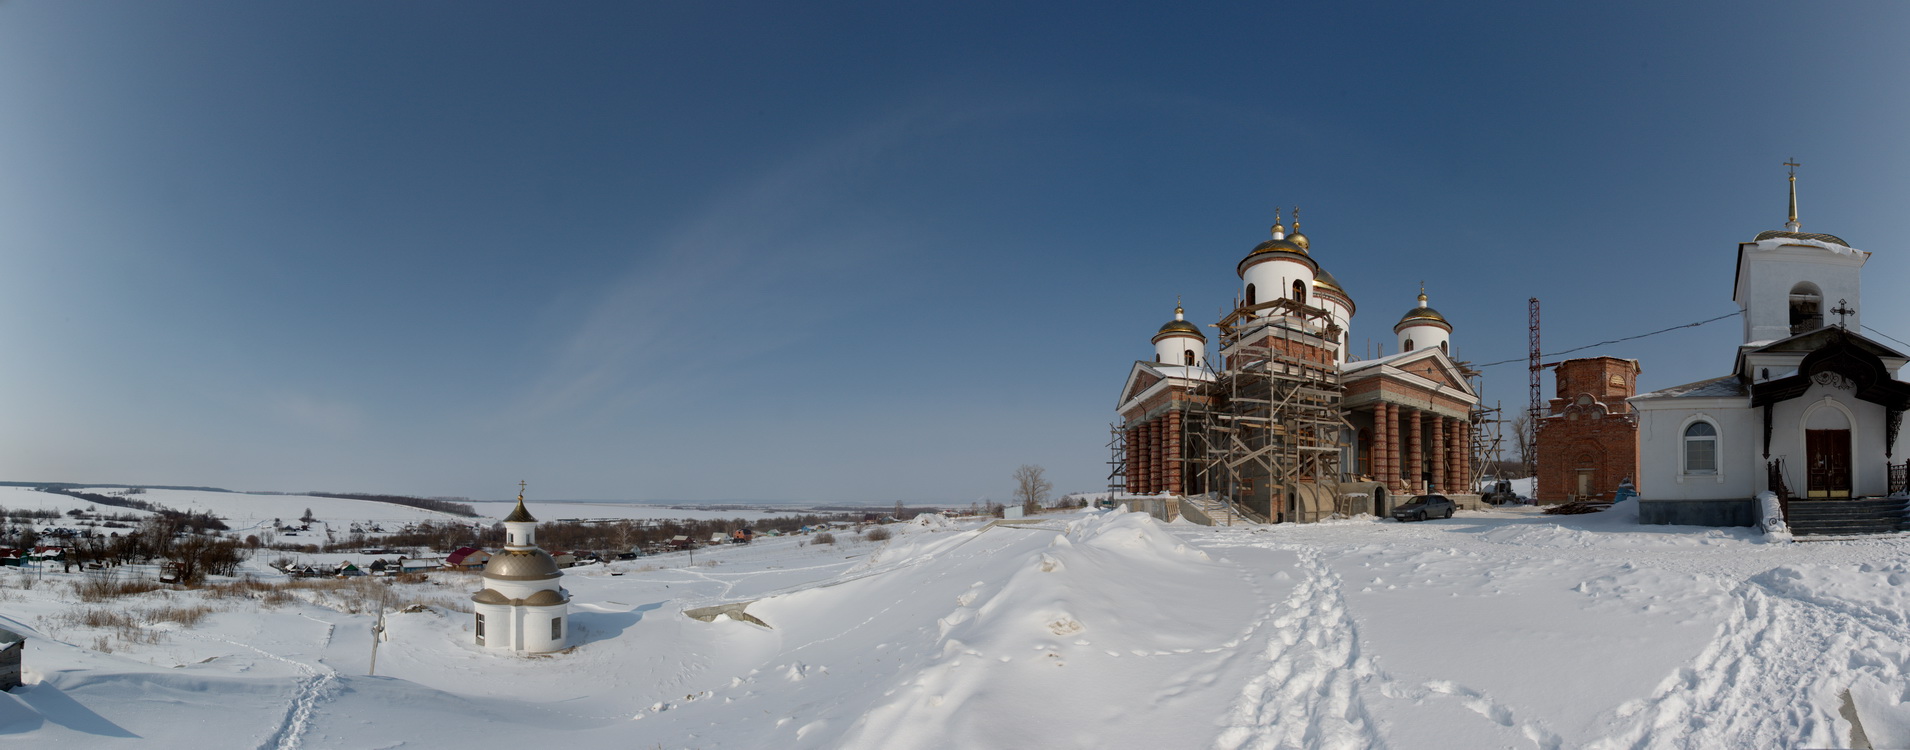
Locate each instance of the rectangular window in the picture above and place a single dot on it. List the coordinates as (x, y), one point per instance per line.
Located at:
(1701, 456)
(556, 628)
(480, 626)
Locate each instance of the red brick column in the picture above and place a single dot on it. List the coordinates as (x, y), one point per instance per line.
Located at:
(1154, 437)
(1396, 475)
(1415, 451)
(1141, 449)
(1382, 439)
(1174, 463)
(1439, 448)
(1465, 454)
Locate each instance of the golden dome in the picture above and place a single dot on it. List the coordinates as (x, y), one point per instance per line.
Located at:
(1422, 315)
(490, 596)
(1324, 279)
(545, 598)
(522, 565)
(1179, 327)
(1299, 239)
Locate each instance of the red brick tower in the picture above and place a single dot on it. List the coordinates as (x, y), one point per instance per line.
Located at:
(1588, 440)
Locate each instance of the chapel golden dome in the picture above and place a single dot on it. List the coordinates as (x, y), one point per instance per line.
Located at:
(522, 565)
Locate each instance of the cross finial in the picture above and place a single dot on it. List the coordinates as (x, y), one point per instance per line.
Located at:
(1842, 309)
(520, 490)
(1296, 218)
(1791, 223)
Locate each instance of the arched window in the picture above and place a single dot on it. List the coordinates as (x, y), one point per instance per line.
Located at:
(1701, 448)
(1250, 299)
(1442, 347)
(1157, 358)
(1807, 308)
(1408, 346)
(1187, 357)
(1299, 291)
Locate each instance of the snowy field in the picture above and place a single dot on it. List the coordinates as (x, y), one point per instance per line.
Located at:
(1089, 630)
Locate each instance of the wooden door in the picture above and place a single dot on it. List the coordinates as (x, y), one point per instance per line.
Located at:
(1827, 453)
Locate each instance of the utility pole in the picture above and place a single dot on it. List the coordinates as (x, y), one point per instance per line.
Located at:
(1533, 412)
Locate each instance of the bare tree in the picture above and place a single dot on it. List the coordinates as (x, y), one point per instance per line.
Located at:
(1523, 438)
(1031, 488)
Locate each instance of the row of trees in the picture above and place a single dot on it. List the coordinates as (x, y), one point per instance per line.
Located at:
(192, 555)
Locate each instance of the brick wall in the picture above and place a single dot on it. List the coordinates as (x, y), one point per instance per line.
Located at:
(1589, 430)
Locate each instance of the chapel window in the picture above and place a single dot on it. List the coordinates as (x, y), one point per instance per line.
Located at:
(557, 628)
(1408, 347)
(1807, 308)
(1442, 347)
(1299, 291)
(1701, 448)
(1187, 357)
(480, 625)
(1250, 299)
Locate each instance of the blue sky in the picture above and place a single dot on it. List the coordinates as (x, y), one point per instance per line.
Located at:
(850, 252)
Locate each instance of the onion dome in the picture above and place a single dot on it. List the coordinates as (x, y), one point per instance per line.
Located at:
(1179, 327)
(522, 565)
(1297, 238)
(519, 514)
(1422, 315)
(1326, 280)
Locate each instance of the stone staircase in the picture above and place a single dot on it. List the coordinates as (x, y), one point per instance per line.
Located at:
(1864, 517)
(1217, 512)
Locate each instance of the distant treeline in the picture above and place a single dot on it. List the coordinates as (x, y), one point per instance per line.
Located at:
(198, 522)
(104, 485)
(615, 536)
(438, 504)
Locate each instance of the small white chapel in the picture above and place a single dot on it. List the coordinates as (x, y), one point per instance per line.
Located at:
(523, 605)
(1810, 409)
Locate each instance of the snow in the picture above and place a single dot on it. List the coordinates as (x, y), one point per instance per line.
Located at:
(1499, 628)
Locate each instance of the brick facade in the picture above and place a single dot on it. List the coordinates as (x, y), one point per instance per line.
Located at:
(1588, 440)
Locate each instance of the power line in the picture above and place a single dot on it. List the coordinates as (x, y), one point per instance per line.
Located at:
(1627, 338)
(1885, 335)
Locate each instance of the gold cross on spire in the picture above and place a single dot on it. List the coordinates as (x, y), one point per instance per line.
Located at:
(520, 490)
(1791, 223)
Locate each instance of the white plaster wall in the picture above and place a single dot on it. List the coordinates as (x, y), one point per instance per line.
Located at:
(1423, 337)
(1764, 287)
(1661, 451)
(534, 624)
(1341, 317)
(1168, 350)
(497, 624)
(1273, 279)
(523, 628)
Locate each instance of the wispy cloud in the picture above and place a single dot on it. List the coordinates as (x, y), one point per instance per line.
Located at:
(331, 417)
(754, 265)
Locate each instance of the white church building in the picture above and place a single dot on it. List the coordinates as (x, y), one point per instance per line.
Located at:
(523, 606)
(1810, 409)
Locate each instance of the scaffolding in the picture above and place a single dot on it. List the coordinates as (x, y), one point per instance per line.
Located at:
(1267, 433)
(1117, 463)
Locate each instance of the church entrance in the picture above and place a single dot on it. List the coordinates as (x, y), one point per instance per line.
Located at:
(1827, 453)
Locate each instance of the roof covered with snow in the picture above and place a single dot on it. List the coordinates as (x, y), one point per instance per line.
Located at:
(1728, 386)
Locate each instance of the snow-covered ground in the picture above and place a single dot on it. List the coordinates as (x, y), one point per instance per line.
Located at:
(1499, 628)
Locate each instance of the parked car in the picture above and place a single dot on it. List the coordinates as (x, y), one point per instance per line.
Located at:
(1500, 494)
(1423, 507)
